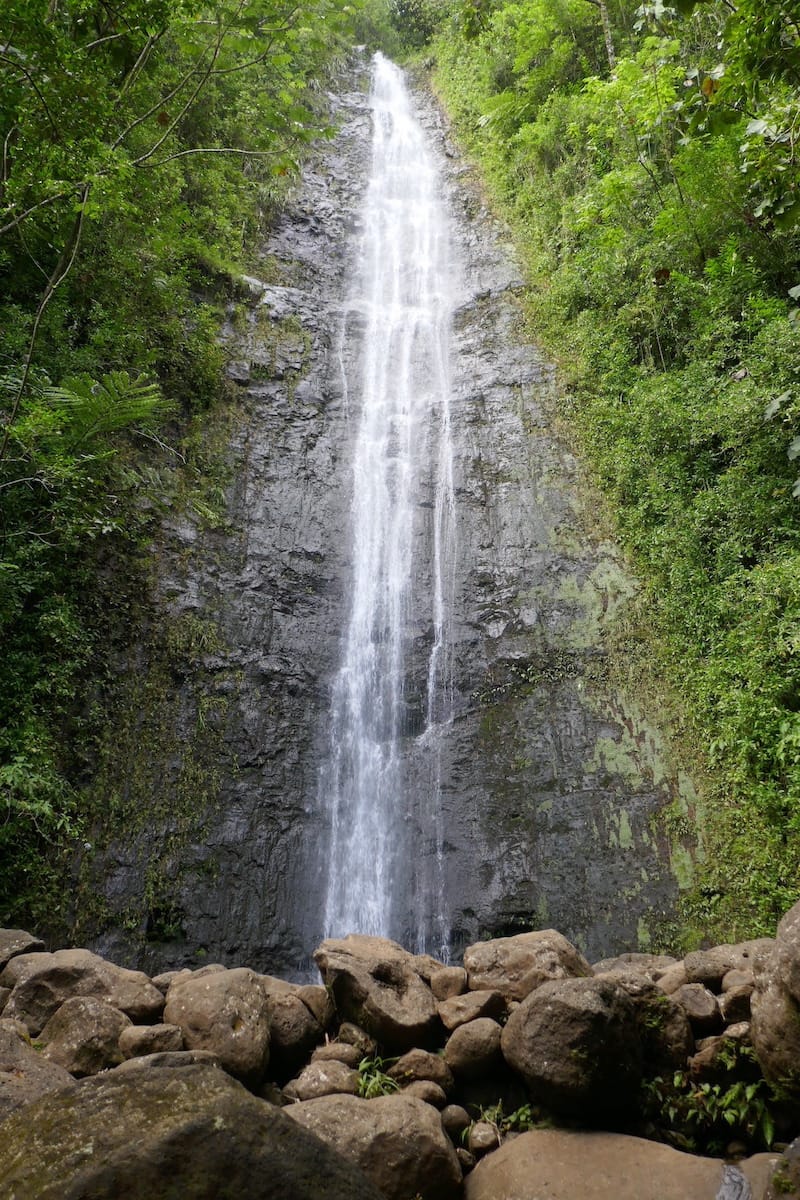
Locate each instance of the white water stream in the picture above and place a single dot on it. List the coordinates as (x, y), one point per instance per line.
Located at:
(386, 849)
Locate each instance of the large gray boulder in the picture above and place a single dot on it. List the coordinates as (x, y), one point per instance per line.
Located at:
(514, 966)
(42, 982)
(576, 1044)
(664, 1029)
(24, 1075)
(377, 985)
(226, 1012)
(83, 1036)
(775, 1006)
(192, 1133)
(551, 1164)
(775, 1034)
(397, 1141)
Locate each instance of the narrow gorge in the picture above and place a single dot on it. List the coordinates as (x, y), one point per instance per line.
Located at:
(382, 702)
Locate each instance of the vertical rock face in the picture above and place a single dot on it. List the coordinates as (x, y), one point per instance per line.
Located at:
(549, 780)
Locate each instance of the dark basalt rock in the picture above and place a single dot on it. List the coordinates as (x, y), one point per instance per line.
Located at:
(550, 779)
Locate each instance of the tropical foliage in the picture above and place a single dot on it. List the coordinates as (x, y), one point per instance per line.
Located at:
(647, 158)
(144, 145)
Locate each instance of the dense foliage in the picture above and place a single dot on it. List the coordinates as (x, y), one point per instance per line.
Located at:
(647, 158)
(144, 144)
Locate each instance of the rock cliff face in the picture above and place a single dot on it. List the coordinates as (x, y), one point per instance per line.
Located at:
(551, 782)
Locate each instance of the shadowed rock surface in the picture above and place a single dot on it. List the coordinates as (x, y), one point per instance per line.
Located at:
(191, 1133)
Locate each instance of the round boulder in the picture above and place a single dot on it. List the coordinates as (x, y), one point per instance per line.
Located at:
(577, 1045)
(473, 1049)
(226, 1012)
(397, 1141)
(83, 1036)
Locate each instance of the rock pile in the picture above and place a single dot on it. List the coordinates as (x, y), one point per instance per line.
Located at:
(392, 1077)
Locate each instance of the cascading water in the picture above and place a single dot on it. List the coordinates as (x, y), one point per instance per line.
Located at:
(386, 849)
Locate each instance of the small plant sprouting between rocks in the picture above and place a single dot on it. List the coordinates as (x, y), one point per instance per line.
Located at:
(707, 1116)
(521, 1119)
(373, 1079)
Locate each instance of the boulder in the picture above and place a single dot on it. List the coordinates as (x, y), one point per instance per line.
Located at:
(775, 1033)
(784, 1183)
(192, 1132)
(734, 1005)
(482, 1138)
(783, 963)
(318, 1002)
(343, 1052)
(139, 1040)
(226, 1012)
(83, 1036)
(700, 1006)
(473, 1050)
(330, 1078)
(374, 982)
(673, 978)
(427, 1090)
(354, 1035)
(552, 1164)
(652, 966)
(397, 1141)
(14, 942)
(664, 1028)
(421, 1064)
(294, 1032)
(163, 980)
(460, 1009)
(448, 982)
(709, 967)
(455, 1120)
(24, 1074)
(42, 982)
(516, 965)
(736, 978)
(577, 1045)
(169, 1060)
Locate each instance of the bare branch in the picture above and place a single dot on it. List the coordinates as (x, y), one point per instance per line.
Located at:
(17, 66)
(41, 204)
(208, 150)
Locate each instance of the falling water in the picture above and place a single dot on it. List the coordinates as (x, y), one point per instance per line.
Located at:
(386, 849)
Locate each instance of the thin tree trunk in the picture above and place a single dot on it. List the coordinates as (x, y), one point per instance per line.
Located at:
(605, 21)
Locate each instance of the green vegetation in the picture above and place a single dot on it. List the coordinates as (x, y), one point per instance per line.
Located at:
(646, 159)
(373, 1080)
(706, 1116)
(145, 146)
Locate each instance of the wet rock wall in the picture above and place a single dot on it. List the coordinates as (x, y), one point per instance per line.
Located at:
(552, 784)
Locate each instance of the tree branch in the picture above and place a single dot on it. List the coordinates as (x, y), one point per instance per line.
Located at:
(41, 204)
(24, 70)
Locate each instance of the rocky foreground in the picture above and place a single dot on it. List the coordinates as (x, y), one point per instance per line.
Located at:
(526, 1074)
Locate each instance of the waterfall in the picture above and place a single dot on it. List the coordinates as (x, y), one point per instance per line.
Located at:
(386, 851)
